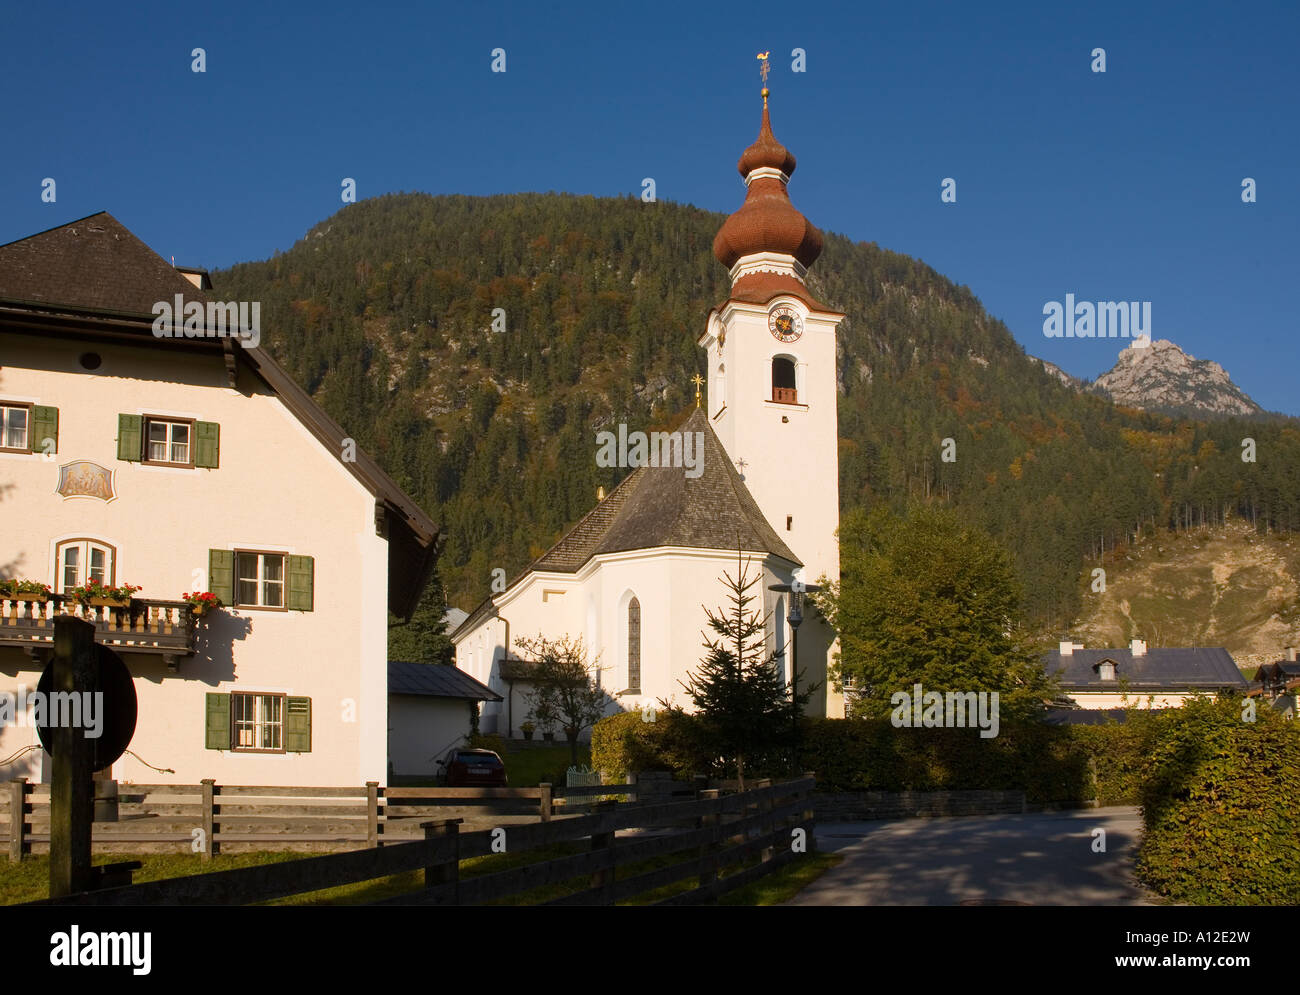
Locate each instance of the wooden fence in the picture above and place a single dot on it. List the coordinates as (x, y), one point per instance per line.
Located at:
(710, 834)
(211, 818)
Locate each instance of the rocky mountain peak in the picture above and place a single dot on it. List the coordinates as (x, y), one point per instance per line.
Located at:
(1159, 376)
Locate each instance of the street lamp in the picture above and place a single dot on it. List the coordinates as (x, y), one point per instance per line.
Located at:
(797, 589)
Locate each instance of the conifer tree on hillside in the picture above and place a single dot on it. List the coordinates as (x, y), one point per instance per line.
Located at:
(424, 638)
(744, 706)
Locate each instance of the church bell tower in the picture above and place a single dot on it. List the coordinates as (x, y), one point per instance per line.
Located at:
(771, 362)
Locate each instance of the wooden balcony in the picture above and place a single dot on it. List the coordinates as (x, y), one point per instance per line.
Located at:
(785, 395)
(163, 628)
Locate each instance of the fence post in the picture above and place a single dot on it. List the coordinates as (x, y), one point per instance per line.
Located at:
(17, 818)
(761, 807)
(708, 861)
(633, 795)
(810, 813)
(604, 878)
(209, 820)
(448, 871)
(372, 814)
(701, 783)
(544, 800)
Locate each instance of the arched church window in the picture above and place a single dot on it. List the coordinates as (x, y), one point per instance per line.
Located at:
(634, 646)
(783, 385)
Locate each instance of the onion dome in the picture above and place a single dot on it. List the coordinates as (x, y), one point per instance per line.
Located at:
(766, 151)
(767, 221)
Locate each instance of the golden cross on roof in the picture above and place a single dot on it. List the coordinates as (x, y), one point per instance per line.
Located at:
(697, 380)
(763, 69)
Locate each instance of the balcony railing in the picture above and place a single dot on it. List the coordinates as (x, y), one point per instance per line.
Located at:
(147, 625)
(785, 395)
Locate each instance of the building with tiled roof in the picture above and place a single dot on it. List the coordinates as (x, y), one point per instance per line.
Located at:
(182, 463)
(634, 576)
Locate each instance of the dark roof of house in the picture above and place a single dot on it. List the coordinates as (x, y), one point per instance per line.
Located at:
(93, 278)
(436, 680)
(662, 506)
(94, 264)
(1277, 671)
(512, 668)
(1160, 668)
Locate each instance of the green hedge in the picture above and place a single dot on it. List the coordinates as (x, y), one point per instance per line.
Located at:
(1221, 808)
(1051, 764)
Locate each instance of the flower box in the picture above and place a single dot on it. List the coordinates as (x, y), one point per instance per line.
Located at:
(39, 599)
(109, 602)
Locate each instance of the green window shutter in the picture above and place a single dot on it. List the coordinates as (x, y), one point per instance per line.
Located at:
(297, 725)
(207, 443)
(221, 574)
(301, 577)
(130, 437)
(45, 425)
(216, 726)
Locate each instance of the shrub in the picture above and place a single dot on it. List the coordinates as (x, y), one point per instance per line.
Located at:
(487, 741)
(1219, 808)
(624, 743)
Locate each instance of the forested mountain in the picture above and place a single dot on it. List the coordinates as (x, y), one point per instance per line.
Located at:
(384, 312)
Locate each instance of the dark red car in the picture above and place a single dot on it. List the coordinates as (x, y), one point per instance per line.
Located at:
(475, 769)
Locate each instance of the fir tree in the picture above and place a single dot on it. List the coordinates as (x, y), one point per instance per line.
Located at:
(742, 702)
(423, 638)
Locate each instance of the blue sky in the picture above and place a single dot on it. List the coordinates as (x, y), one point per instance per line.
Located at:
(1117, 186)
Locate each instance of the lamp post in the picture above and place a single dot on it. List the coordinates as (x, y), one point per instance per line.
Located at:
(797, 589)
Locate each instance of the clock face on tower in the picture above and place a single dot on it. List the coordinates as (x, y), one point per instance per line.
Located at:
(785, 324)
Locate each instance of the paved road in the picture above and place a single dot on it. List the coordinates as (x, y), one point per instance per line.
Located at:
(1041, 859)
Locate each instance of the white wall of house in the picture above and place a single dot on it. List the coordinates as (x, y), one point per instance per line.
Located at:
(1113, 699)
(422, 728)
(277, 489)
(672, 584)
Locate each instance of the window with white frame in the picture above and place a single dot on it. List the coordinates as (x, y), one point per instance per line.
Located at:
(257, 722)
(168, 442)
(260, 580)
(81, 561)
(14, 421)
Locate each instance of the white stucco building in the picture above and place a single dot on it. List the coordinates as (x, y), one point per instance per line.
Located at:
(189, 464)
(634, 576)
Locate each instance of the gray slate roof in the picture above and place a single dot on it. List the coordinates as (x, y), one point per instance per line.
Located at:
(1157, 669)
(662, 506)
(436, 680)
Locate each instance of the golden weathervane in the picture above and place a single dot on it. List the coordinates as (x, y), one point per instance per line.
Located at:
(697, 380)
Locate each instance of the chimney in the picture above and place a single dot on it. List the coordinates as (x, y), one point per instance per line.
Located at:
(1067, 648)
(1138, 647)
(1290, 654)
(600, 494)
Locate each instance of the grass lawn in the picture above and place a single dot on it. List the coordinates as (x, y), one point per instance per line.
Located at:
(529, 768)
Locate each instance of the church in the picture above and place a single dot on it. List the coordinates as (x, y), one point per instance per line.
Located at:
(634, 576)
